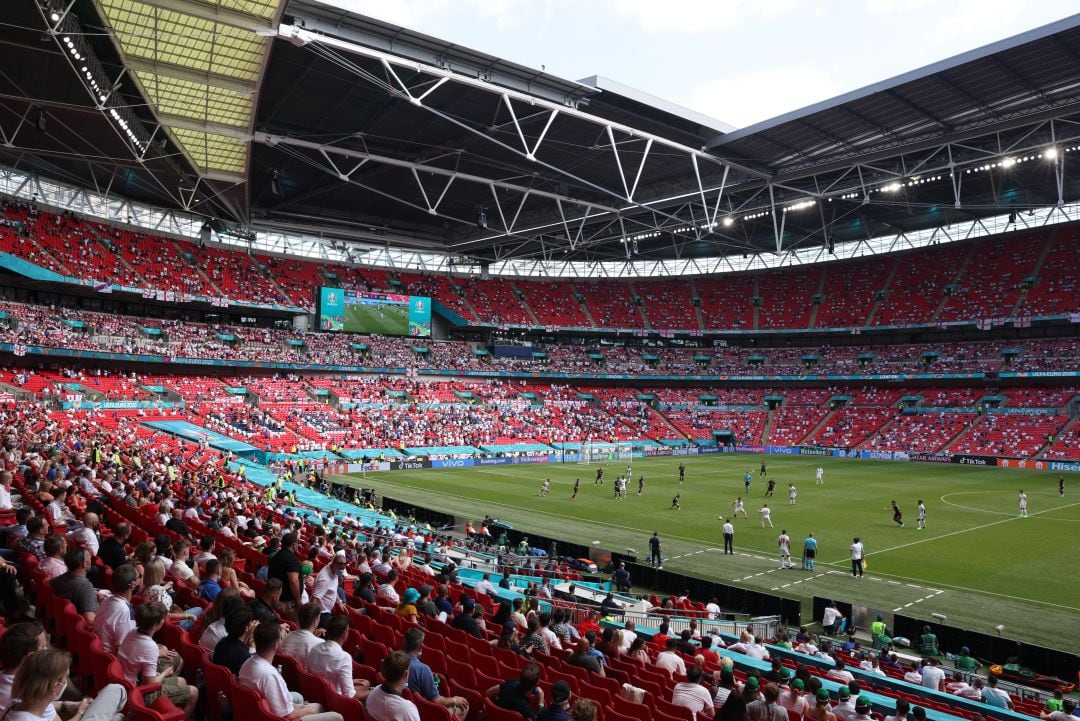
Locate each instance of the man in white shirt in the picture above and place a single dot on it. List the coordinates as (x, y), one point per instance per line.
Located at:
(857, 558)
(628, 636)
(933, 676)
(299, 643)
(180, 571)
(485, 586)
(385, 703)
(387, 590)
(912, 675)
(839, 673)
(713, 610)
(831, 618)
(691, 694)
(115, 617)
(670, 660)
(331, 662)
(5, 491)
(325, 590)
(139, 655)
(258, 674)
(87, 535)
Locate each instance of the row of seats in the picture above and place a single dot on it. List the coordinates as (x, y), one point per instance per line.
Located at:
(920, 286)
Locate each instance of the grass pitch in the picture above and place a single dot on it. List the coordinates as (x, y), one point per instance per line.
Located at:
(977, 562)
(382, 319)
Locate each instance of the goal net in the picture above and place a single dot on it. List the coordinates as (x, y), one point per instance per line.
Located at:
(598, 452)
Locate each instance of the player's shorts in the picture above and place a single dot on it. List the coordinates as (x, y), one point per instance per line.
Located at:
(897, 516)
(810, 552)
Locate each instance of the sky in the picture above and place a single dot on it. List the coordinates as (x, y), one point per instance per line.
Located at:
(739, 61)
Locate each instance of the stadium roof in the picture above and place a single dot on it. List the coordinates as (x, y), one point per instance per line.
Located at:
(298, 116)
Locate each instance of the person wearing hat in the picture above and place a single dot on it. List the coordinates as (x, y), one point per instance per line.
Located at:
(406, 609)
(750, 690)
(845, 710)
(966, 662)
(766, 708)
(862, 709)
(422, 680)
(793, 699)
(928, 644)
(820, 710)
(465, 620)
(560, 701)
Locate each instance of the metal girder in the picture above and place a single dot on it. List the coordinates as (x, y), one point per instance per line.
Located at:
(215, 13)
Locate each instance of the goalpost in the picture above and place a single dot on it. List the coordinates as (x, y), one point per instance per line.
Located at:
(600, 452)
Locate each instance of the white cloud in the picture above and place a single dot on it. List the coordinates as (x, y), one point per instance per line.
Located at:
(747, 98)
(697, 16)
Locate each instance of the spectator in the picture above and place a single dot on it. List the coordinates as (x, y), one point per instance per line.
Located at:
(793, 699)
(213, 621)
(862, 709)
(994, 696)
(140, 658)
(74, 586)
(259, 674)
(1068, 707)
(670, 660)
(210, 586)
(264, 606)
(330, 661)
(422, 680)
(53, 565)
(115, 617)
(560, 702)
(691, 694)
(233, 651)
(821, 711)
(16, 644)
(583, 659)
(465, 620)
(285, 567)
(42, 676)
(734, 709)
(933, 676)
(385, 702)
(521, 694)
(325, 590)
(300, 642)
(766, 708)
(111, 551)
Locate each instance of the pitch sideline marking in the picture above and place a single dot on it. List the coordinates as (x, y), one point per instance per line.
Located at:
(957, 533)
(1003, 513)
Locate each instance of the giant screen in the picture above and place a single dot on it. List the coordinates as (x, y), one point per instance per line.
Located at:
(355, 311)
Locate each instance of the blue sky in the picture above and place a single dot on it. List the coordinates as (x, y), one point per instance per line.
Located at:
(739, 61)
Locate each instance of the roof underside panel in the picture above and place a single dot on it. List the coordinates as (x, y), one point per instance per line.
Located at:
(195, 66)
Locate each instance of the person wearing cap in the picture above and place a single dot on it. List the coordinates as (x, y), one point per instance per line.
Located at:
(325, 590)
(331, 661)
(845, 710)
(560, 702)
(793, 698)
(750, 692)
(862, 709)
(820, 710)
(407, 608)
(928, 643)
(691, 694)
(465, 620)
(766, 708)
(966, 662)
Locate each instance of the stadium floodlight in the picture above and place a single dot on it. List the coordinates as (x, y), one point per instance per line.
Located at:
(728, 221)
(55, 17)
(1008, 162)
(1050, 153)
(481, 218)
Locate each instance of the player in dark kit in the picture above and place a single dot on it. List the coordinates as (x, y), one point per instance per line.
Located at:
(897, 515)
(771, 487)
(577, 485)
(599, 476)
(682, 472)
(675, 502)
(764, 471)
(640, 485)
(1061, 485)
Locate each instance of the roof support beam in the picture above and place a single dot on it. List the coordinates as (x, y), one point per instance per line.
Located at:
(189, 75)
(215, 13)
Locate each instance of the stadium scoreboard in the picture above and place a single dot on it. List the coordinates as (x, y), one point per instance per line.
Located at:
(355, 311)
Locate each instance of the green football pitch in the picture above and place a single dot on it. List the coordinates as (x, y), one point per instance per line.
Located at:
(977, 561)
(384, 319)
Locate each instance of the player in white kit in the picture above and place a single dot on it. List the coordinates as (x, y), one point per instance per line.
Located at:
(1023, 504)
(785, 549)
(766, 516)
(921, 524)
(792, 493)
(820, 477)
(739, 507)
